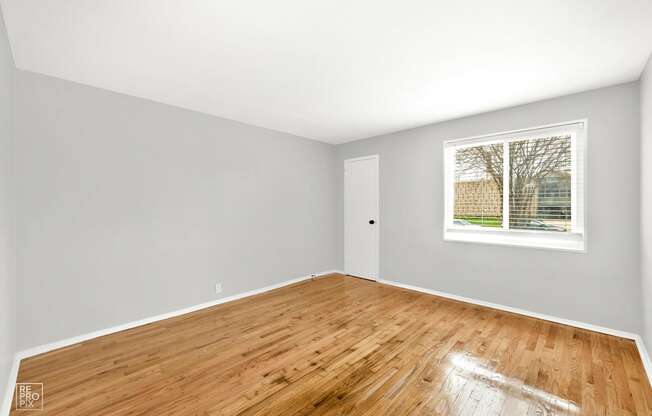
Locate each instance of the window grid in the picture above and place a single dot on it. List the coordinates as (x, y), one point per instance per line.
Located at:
(543, 194)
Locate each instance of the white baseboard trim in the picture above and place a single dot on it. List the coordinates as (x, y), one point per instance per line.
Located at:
(595, 328)
(531, 314)
(645, 357)
(8, 397)
(11, 385)
(85, 337)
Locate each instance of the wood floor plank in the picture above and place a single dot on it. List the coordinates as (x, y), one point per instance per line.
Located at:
(344, 346)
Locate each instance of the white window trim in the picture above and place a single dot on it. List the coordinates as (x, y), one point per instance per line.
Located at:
(574, 241)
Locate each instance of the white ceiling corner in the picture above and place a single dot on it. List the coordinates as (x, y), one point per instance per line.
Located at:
(334, 70)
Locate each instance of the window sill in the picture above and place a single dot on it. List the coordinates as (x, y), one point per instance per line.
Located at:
(573, 242)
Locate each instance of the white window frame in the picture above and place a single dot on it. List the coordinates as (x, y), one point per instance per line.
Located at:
(575, 240)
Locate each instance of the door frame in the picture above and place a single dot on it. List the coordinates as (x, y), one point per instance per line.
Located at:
(376, 216)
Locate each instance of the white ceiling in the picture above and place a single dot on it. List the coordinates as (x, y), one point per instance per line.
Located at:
(335, 70)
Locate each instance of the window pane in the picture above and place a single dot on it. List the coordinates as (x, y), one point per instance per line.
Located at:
(479, 186)
(540, 184)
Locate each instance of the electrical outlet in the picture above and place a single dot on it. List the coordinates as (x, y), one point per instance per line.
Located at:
(218, 287)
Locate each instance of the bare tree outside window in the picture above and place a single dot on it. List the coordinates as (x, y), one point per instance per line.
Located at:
(479, 185)
(539, 183)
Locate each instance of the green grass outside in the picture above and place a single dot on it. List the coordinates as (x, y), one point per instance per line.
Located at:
(484, 221)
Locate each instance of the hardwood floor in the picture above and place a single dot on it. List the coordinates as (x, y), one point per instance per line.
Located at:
(344, 346)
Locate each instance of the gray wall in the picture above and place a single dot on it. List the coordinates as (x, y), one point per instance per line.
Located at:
(7, 257)
(601, 287)
(129, 208)
(646, 199)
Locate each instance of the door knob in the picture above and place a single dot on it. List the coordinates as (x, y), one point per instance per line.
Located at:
(372, 222)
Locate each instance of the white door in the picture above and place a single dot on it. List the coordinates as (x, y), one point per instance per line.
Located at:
(361, 217)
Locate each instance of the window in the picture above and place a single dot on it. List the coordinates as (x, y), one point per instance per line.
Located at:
(522, 188)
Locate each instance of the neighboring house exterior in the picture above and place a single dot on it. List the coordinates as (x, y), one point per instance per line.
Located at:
(482, 198)
(478, 198)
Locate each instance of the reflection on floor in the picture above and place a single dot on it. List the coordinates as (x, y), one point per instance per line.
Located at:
(345, 346)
